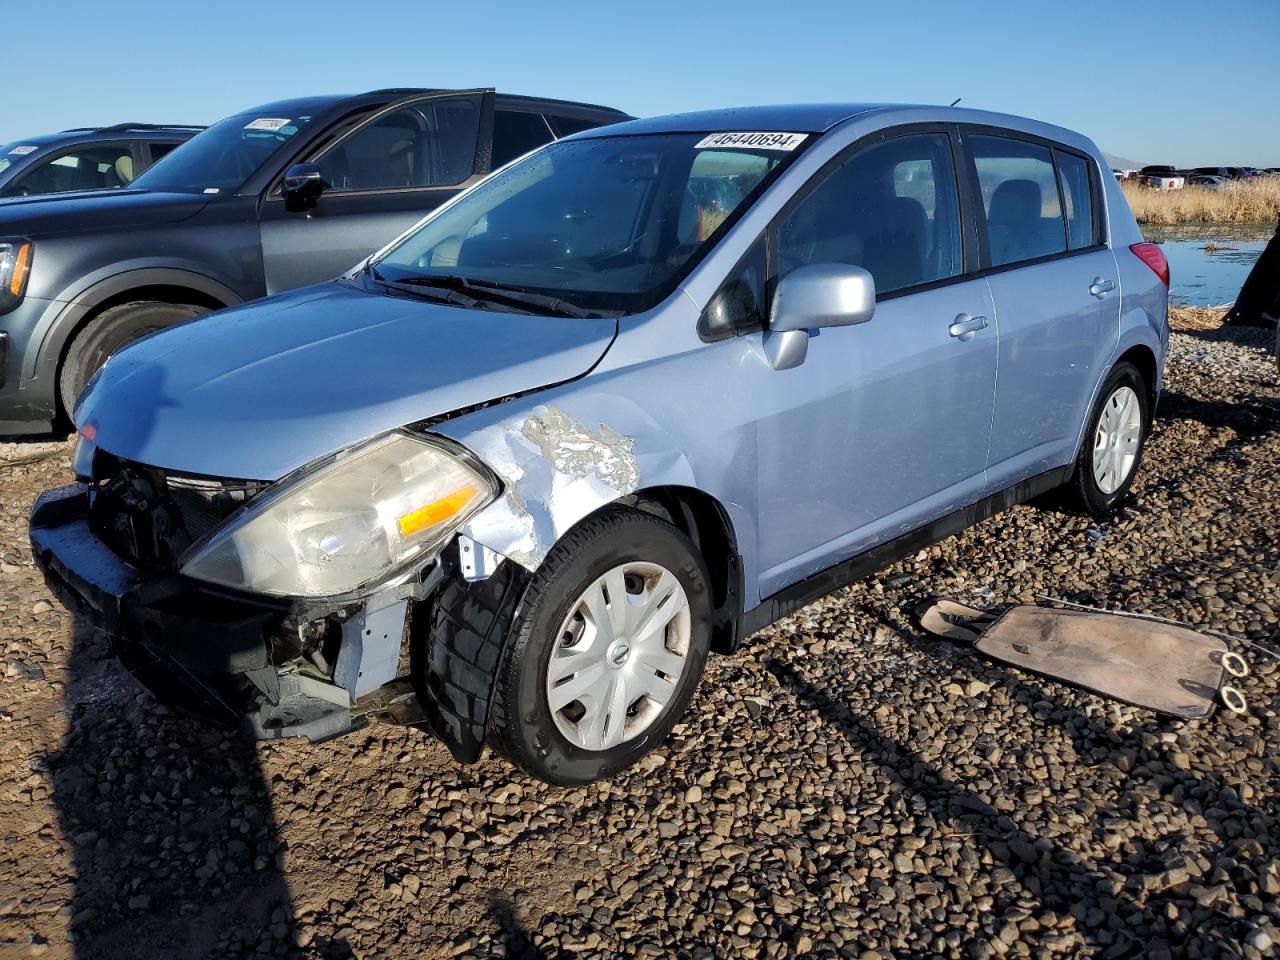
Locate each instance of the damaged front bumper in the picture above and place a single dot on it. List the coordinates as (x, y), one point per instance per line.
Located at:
(275, 668)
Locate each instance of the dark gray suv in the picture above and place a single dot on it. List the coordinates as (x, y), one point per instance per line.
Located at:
(86, 158)
(275, 197)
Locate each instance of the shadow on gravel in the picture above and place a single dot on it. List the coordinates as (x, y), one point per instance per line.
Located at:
(516, 939)
(1250, 419)
(173, 840)
(1134, 916)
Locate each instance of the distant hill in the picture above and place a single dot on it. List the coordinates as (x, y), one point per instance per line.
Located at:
(1120, 163)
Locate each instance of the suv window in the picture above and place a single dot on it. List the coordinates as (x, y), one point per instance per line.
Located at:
(515, 134)
(892, 208)
(84, 168)
(1077, 197)
(564, 126)
(1020, 198)
(159, 148)
(431, 143)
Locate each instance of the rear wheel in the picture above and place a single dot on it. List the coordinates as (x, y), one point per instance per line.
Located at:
(112, 329)
(605, 651)
(1112, 448)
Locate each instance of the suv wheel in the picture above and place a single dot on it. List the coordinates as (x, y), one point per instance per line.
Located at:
(112, 329)
(605, 650)
(1112, 448)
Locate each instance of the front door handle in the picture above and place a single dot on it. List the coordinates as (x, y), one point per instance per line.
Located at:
(1100, 288)
(965, 326)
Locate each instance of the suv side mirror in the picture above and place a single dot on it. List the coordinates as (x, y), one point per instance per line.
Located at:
(303, 185)
(818, 295)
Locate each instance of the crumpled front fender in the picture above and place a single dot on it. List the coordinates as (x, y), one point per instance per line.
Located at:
(559, 461)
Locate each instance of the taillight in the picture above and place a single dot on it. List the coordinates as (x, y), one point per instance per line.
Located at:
(1153, 257)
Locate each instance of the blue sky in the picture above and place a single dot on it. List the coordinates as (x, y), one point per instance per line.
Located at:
(1158, 81)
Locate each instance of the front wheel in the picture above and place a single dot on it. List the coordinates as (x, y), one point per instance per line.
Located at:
(106, 333)
(605, 651)
(1113, 445)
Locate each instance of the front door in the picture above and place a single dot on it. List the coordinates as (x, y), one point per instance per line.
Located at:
(884, 427)
(380, 179)
(1057, 298)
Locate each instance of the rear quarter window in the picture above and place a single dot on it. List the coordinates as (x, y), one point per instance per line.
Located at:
(1077, 198)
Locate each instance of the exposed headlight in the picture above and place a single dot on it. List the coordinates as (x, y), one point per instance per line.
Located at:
(350, 522)
(15, 267)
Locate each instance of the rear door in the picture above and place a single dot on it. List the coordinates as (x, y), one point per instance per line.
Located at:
(1056, 290)
(380, 178)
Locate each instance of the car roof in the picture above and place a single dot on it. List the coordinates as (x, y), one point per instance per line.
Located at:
(308, 106)
(311, 106)
(132, 131)
(799, 118)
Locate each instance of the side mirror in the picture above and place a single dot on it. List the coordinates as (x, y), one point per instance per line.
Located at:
(819, 295)
(303, 185)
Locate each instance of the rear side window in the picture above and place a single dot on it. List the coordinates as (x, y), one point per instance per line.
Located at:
(515, 134)
(1077, 198)
(430, 143)
(892, 209)
(1020, 198)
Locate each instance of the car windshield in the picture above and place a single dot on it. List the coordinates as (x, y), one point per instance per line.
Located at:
(603, 224)
(221, 158)
(11, 153)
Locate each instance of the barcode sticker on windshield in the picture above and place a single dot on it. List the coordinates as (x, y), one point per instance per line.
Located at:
(751, 141)
(21, 151)
(266, 123)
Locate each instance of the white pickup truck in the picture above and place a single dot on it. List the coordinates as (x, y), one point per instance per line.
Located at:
(1161, 178)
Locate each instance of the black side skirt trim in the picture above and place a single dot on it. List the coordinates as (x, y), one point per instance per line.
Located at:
(789, 599)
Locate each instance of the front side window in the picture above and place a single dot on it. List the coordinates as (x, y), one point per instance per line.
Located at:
(516, 133)
(609, 223)
(892, 208)
(431, 143)
(1073, 172)
(221, 158)
(1020, 198)
(159, 148)
(565, 126)
(84, 168)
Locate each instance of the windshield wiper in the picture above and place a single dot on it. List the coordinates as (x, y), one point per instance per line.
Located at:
(496, 292)
(434, 292)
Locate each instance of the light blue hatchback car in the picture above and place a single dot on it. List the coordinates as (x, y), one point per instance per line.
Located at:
(626, 401)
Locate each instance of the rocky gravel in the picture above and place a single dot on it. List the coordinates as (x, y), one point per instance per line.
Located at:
(842, 786)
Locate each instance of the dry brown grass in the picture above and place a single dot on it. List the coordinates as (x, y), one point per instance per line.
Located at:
(1196, 318)
(1244, 201)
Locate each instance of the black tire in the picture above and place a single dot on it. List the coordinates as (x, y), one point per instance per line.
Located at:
(1082, 490)
(521, 726)
(106, 333)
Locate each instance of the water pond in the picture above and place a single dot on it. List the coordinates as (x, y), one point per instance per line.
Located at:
(1208, 262)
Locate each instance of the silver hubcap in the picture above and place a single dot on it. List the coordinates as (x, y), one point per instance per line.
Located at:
(618, 656)
(1115, 446)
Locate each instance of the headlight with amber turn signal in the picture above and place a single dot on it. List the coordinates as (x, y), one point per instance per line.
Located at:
(350, 522)
(15, 267)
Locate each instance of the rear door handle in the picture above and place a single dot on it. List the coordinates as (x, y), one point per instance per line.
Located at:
(965, 326)
(1100, 288)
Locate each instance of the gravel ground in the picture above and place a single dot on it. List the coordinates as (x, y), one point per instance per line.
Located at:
(843, 786)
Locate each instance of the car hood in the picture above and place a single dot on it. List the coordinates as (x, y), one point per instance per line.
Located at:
(59, 213)
(259, 390)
